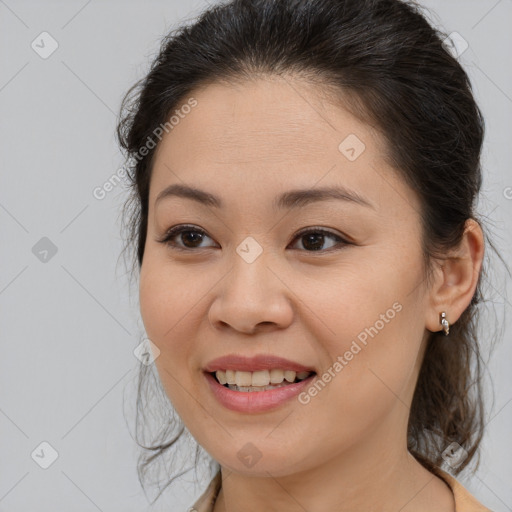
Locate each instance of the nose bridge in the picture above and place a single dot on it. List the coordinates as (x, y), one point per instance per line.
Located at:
(251, 294)
(250, 276)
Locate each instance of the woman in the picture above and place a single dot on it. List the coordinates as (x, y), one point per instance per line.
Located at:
(304, 179)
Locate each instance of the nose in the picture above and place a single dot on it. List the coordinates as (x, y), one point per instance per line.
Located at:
(253, 297)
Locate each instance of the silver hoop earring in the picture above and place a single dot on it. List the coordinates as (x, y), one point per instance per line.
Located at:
(444, 322)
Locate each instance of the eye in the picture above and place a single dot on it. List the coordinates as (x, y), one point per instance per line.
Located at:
(190, 235)
(312, 239)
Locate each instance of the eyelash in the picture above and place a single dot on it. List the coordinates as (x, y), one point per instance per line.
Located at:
(177, 230)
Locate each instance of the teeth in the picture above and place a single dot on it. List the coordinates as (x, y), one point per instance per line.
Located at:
(289, 375)
(221, 377)
(261, 378)
(243, 378)
(247, 389)
(276, 376)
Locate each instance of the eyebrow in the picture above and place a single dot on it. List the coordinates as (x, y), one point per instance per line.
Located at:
(288, 200)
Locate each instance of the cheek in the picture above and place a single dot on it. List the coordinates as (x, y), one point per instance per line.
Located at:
(364, 384)
(372, 329)
(169, 310)
(169, 317)
(168, 296)
(358, 301)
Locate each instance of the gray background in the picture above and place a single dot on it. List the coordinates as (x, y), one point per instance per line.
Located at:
(69, 324)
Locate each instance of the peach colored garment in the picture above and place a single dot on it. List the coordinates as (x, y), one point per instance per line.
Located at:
(464, 501)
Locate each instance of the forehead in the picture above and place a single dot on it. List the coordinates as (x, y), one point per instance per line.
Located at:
(268, 135)
(264, 119)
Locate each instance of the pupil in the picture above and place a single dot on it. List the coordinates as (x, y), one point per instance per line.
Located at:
(191, 234)
(315, 237)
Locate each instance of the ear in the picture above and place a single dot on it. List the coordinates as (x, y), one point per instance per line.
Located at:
(457, 277)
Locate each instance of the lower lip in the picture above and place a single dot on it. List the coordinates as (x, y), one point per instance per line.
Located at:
(255, 401)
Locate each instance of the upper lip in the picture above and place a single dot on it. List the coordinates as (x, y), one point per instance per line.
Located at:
(255, 363)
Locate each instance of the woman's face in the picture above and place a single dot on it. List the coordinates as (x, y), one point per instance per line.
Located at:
(350, 305)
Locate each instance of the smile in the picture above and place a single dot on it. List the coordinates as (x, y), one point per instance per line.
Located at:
(262, 380)
(256, 399)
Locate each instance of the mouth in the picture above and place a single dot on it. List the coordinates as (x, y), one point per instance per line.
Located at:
(256, 384)
(249, 399)
(257, 381)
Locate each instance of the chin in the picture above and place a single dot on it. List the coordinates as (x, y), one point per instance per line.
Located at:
(251, 461)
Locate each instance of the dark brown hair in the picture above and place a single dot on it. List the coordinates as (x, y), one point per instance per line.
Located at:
(392, 66)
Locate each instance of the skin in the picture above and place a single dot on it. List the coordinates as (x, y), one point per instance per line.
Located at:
(346, 449)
